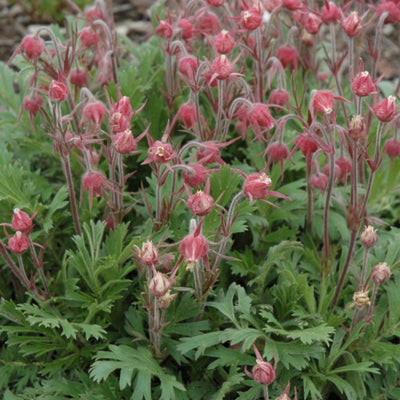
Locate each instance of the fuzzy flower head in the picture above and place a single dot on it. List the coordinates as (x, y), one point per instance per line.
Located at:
(195, 174)
(256, 186)
(19, 243)
(32, 46)
(352, 24)
(58, 91)
(21, 221)
(392, 148)
(381, 273)
(369, 237)
(148, 253)
(362, 84)
(95, 183)
(251, 19)
(224, 42)
(330, 13)
(323, 101)
(94, 111)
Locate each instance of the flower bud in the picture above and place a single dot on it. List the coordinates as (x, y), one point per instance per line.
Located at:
(386, 109)
(222, 68)
(124, 142)
(369, 237)
(312, 23)
(392, 148)
(159, 284)
(224, 42)
(323, 101)
(288, 56)
(186, 28)
(200, 203)
(33, 47)
(21, 221)
(319, 181)
(94, 111)
(362, 84)
(307, 144)
(18, 243)
(188, 66)
(352, 24)
(93, 182)
(196, 175)
(380, 273)
(281, 97)
(330, 13)
(148, 253)
(263, 372)
(164, 30)
(259, 116)
(251, 19)
(78, 77)
(89, 37)
(58, 91)
(257, 186)
(32, 103)
(187, 114)
(277, 151)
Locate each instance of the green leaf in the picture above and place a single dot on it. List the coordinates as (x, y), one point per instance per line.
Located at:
(200, 343)
(59, 202)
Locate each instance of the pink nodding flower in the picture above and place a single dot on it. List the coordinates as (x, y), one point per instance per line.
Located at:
(159, 284)
(215, 3)
(392, 148)
(78, 77)
(58, 91)
(323, 101)
(288, 56)
(187, 114)
(256, 186)
(186, 28)
(19, 243)
(259, 116)
(277, 151)
(391, 8)
(148, 253)
(194, 246)
(280, 97)
(319, 181)
(124, 142)
(345, 167)
(263, 372)
(293, 5)
(188, 66)
(312, 23)
(33, 47)
(352, 24)
(224, 42)
(386, 109)
(209, 152)
(201, 203)
(32, 103)
(362, 84)
(94, 182)
(21, 221)
(89, 37)
(94, 111)
(165, 29)
(222, 68)
(251, 19)
(330, 13)
(208, 23)
(195, 175)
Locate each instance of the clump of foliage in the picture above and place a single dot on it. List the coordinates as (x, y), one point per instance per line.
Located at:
(211, 214)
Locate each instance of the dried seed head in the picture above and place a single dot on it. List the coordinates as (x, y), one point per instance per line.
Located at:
(361, 298)
(358, 127)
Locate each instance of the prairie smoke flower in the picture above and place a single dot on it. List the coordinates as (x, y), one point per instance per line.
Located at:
(88, 37)
(277, 151)
(194, 247)
(345, 166)
(165, 29)
(256, 187)
(357, 128)
(215, 3)
(381, 273)
(352, 24)
(288, 56)
(148, 253)
(58, 91)
(32, 103)
(263, 372)
(319, 181)
(222, 68)
(77, 77)
(208, 23)
(209, 152)
(94, 182)
(362, 84)
(369, 237)
(195, 174)
(124, 142)
(323, 101)
(330, 12)
(187, 114)
(259, 116)
(21, 221)
(19, 243)
(393, 11)
(159, 151)
(386, 109)
(392, 148)
(224, 42)
(159, 284)
(33, 47)
(94, 111)
(281, 97)
(293, 5)
(188, 66)
(200, 203)
(251, 19)
(186, 28)
(312, 23)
